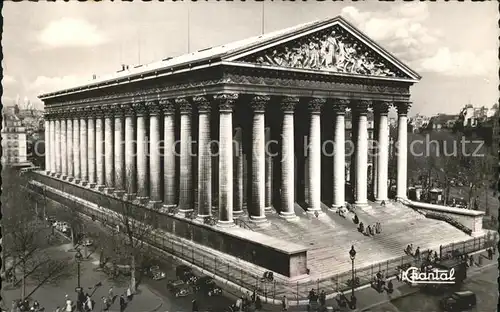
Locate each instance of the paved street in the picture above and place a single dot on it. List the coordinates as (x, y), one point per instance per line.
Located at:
(483, 284)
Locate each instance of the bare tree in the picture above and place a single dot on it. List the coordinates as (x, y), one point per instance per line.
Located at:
(24, 242)
(134, 222)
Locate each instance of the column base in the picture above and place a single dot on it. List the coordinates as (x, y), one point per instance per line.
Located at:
(154, 204)
(140, 200)
(238, 213)
(268, 208)
(379, 201)
(84, 183)
(314, 211)
(109, 190)
(77, 181)
(361, 204)
(64, 177)
(70, 179)
(100, 187)
(47, 172)
(225, 224)
(201, 218)
(165, 208)
(119, 193)
(290, 216)
(57, 175)
(92, 185)
(129, 196)
(258, 219)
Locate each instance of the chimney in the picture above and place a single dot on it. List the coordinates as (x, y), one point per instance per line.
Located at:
(94, 76)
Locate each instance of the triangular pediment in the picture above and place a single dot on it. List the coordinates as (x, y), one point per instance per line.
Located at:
(333, 47)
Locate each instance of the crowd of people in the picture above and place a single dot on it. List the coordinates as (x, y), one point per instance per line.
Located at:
(379, 282)
(369, 230)
(247, 303)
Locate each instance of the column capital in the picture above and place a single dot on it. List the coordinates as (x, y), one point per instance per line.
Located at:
(140, 108)
(339, 106)
(259, 103)
(184, 106)
(226, 101)
(167, 106)
(128, 110)
(361, 106)
(402, 107)
(314, 105)
(288, 104)
(153, 108)
(98, 112)
(65, 114)
(203, 104)
(108, 111)
(381, 107)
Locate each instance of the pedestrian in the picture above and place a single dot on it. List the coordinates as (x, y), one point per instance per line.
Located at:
(88, 303)
(105, 304)
(58, 309)
(194, 306)
(239, 304)
(110, 293)
(322, 298)
(122, 303)
(129, 294)
(284, 304)
(253, 296)
(69, 304)
(490, 253)
(258, 303)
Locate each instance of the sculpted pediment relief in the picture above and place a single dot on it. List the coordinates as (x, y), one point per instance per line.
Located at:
(333, 49)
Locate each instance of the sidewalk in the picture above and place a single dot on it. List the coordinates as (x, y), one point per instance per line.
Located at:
(368, 298)
(51, 296)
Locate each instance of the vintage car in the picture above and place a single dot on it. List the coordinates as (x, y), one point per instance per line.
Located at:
(155, 273)
(459, 301)
(206, 285)
(178, 288)
(185, 273)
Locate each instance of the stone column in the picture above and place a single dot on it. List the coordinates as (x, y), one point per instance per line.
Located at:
(169, 188)
(204, 158)
(47, 142)
(382, 151)
(108, 150)
(226, 103)
(53, 144)
(339, 109)
(154, 154)
(288, 105)
(69, 147)
(99, 148)
(84, 147)
(64, 146)
(58, 146)
(314, 157)
(76, 147)
(402, 149)
(91, 148)
(269, 172)
(119, 151)
(257, 213)
(142, 149)
(130, 152)
(238, 175)
(361, 168)
(186, 161)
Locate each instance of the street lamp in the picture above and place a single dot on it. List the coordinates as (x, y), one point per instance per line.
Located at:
(78, 258)
(352, 255)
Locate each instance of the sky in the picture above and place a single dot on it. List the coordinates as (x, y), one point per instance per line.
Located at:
(52, 46)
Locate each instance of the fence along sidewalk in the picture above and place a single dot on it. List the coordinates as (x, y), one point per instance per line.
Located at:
(236, 270)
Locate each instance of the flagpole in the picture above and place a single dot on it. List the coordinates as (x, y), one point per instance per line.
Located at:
(263, 15)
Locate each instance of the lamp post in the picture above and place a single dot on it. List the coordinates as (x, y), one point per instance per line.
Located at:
(78, 258)
(352, 255)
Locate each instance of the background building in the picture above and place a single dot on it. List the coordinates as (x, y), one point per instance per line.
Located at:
(13, 138)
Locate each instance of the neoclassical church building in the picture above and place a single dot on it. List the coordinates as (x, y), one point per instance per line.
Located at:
(241, 148)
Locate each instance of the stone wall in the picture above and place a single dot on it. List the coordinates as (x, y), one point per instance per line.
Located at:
(472, 219)
(286, 262)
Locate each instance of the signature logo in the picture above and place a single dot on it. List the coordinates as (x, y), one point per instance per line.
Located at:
(434, 276)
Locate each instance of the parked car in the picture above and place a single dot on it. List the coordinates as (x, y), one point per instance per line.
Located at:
(459, 301)
(178, 288)
(155, 273)
(207, 285)
(185, 274)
